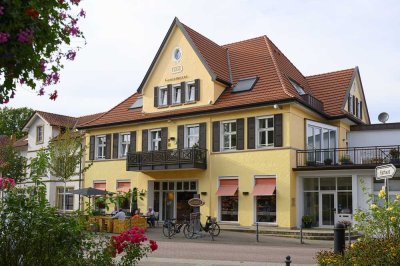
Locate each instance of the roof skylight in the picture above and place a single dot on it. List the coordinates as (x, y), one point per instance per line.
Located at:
(298, 88)
(245, 84)
(137, 104)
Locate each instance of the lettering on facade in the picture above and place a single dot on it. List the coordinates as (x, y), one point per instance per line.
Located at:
(176, 78)
(176, 69)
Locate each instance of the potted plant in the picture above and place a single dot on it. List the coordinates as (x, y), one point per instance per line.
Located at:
(345, 159)
(307, 221)
(394, 156)
(328, 161)
(311, 163)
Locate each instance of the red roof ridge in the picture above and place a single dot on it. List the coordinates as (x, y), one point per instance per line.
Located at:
(266, 39)
(50, 113)
(331, 72)
(245, 40)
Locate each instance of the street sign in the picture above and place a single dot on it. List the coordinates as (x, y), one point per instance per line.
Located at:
(385, 171)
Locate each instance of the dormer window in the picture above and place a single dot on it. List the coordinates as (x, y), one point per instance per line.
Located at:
(190, 92)
(163, 96)
(176, 94)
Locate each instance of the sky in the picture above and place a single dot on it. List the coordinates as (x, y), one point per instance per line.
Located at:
(123, 37)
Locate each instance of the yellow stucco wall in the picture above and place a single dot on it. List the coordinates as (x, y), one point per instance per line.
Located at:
(356, 90)
(193, 69)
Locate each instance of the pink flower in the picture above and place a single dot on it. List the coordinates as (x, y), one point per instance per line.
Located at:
(4, 37)
(63, 15)
(82, 13)
(41, 92)
(75, 2)
(42, 65)
(153, 245)
(73, 30)
(54, 95)
(6, 182)
(25, 36)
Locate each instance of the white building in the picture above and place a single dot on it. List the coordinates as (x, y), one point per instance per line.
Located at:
(331, 191)
(41, 128)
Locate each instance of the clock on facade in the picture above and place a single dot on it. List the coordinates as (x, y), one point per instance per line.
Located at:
(177, 53)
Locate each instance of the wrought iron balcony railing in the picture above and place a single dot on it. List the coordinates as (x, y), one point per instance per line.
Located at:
(355, 157)
(167, 159)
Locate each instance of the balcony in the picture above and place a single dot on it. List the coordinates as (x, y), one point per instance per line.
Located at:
(313, 102)
(191, 158)
(347, 158)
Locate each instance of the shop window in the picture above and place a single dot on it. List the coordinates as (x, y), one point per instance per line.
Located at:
(345, 202)
(328, 183)
(179, 186)
(156, 185)
(311, 206)
(229, 201)
(344, 183)
(266, 209)
(311, 184)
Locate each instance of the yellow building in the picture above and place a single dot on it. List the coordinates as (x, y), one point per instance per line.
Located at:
(224, 122)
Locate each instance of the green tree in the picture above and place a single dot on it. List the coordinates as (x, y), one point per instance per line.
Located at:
(13, 119)
(36, 36)
(66, 152)
(12, 164)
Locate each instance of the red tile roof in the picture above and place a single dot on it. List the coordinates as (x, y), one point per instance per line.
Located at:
(331, 88)
(254, 57)
(21, 142)
(65, 121)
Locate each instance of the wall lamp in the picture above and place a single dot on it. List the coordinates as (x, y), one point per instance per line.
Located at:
(277, 106)
(203, 193)
(245, 193)
(172, 139)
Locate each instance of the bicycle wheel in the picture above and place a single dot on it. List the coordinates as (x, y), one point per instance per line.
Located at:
(188, 230)
(214, 229)
(168, 230)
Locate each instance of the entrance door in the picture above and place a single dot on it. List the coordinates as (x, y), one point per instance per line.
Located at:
(327, 209)
(168, 204)
(182, 207)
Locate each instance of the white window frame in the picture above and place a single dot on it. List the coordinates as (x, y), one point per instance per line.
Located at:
(39, 134)
(175, 88)
(187, 136)
(230, 133)
(267, 129)
(158, 139)
(160, 98)
(189, 87)
(98, 145)
(121, 142)
(219, 198)
(60, 192)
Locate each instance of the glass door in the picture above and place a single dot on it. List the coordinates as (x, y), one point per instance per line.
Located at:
(327, 209)
(168, 203)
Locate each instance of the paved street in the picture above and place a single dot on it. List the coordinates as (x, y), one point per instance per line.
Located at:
(231, 248)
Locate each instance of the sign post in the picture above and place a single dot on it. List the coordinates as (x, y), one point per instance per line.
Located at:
(385, 172)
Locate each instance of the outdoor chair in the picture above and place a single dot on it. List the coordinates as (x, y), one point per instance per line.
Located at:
(157, 218)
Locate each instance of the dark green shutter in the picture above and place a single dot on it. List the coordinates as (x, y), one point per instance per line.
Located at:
(356, 112)
(145, 140)
(251, 133)
(132, 144)
(361, 110)
(278, 130)
(348, 104)
(183, 91)
(240, 134)
(108, 146)
(216, 137)
(203, 136)
(169, 94)
(92, 147)
(181, 137)
(155, 96)
(164, 138)
(115, 145)
(197, 89)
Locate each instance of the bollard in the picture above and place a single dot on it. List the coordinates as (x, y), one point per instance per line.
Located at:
(288, 261)
(301, 234)
(257, 231)
(339, 238)
(349, 227)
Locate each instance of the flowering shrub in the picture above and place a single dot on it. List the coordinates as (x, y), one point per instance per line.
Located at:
(131, 242)
(35, 37)
(6, 183)
(380, 242)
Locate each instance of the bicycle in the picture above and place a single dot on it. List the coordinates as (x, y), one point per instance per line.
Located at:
(170, 228)
(211, 226)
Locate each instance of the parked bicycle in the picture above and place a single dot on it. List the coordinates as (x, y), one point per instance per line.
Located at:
(171, 227)
(211, 226)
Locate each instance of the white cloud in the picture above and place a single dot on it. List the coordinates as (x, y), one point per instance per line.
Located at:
(317, 36)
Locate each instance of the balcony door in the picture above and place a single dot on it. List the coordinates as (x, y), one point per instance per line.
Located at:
(323, 139)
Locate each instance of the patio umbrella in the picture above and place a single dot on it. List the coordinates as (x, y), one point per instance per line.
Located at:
(90, 192)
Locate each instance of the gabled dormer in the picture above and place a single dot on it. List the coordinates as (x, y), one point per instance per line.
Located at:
(354, 102)
(188, 71)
